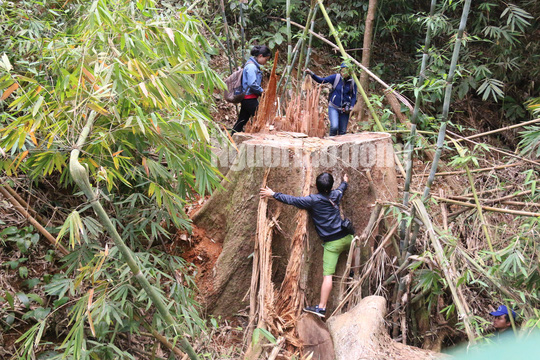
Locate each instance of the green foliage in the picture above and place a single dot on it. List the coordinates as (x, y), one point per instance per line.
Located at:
(24, 238)
(497, 56)
(259, 332)
(150, 87)
(145, 73)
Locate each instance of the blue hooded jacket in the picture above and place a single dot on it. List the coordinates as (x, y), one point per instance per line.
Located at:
(326, 217)
(252, 77)
(344, 93)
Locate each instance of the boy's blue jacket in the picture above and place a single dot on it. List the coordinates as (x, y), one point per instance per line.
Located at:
(344, 93)
(252, 77)
(326, 216)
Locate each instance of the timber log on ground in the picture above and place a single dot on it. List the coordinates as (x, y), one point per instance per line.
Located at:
(361, 334)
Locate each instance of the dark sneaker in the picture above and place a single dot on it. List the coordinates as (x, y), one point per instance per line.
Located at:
(315, 310)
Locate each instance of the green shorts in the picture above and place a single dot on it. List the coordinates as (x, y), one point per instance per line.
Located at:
(332, 250)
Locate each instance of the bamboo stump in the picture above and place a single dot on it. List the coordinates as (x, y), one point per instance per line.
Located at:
(229, 217)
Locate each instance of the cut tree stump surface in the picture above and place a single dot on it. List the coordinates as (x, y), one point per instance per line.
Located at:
(230, 216)
(315, 337)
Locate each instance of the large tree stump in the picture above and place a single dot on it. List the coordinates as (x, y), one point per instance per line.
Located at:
(230, 215)
(361, 334)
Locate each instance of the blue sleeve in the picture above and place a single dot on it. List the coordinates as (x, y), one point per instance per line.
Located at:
(341, 190)
(327, 80)
(250, 72)
(354, 94)
(301, 202)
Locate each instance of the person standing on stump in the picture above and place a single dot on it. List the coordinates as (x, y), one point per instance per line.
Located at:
(324, 210)
(251, 85)
(341, 100)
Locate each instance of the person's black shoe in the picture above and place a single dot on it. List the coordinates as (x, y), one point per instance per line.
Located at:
(315, 310)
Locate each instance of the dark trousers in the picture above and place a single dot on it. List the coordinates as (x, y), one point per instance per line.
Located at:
(247, 110)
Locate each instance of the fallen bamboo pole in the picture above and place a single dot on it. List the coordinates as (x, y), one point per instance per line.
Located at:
(448, 271)
(21, 201)
(33, 221)
(486, 208)
(500, 130)
(462, 153)
(491, 148)
(491, 201)
(460, 172)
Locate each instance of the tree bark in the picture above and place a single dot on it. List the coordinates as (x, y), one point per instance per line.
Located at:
(229, 217)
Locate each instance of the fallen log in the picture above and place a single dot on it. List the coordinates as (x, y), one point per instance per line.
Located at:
(361, 334)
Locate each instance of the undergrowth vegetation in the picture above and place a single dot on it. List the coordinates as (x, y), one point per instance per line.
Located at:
(143, 74)
(141, 70)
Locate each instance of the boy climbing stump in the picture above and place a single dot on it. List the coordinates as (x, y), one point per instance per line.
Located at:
(324, 210)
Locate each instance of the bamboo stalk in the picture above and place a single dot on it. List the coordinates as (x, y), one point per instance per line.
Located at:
(450, 275)
(447, 98)
(356, 62)
(414, 119)
(33, 221)
(444, 117)
(228, 36)
(485, 208)
(491, 279)
(242, 35)
(492, 201)
(218, 41)
(345, 56)
(444, 211)
(520, 203)
(357, 242)
(460, 172)
(309, 49)
(303, 48)
(500, 130)
(162, 339)
(289, 44)
(491, 148)
(80, 176)
(483, 220)
(21, 201)
(289, 70)
(357, 82)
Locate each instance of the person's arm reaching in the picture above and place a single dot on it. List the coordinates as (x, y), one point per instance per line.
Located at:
(326, 80)
(343, 186)
(303, 202)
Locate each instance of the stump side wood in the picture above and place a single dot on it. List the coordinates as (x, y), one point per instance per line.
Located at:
(361, 334)
(229, 216)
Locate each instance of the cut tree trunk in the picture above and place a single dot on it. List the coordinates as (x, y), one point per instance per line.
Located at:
(229, 217)
(361, 334)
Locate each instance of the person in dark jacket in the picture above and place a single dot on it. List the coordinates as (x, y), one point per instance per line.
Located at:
(324, 210)
(341, 100)
(251, 85)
